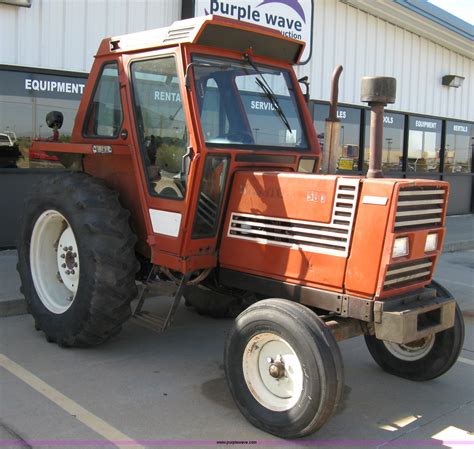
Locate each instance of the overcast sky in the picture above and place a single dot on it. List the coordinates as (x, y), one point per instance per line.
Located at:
(463, 9)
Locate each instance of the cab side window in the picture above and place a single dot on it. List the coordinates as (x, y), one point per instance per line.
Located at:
(161, 125)
(104, 116)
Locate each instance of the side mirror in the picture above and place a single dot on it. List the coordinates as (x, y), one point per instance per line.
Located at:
(305, 81)
(54, 119)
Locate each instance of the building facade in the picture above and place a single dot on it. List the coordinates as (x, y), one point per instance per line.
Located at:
(47, 48)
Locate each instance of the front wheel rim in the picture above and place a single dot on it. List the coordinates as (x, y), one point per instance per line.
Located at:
(54, 261)
(272, 371)
(411, 352)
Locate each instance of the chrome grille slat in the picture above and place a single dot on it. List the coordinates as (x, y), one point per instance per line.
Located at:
(326, 238)
(420, 192)
(420, 202)
(409, 213)
(417, 222)
(410, 268)
(408, 277)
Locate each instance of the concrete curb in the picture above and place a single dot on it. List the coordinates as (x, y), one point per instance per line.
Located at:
(10, 307)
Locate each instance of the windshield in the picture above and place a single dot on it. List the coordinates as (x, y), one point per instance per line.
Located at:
(244, 104)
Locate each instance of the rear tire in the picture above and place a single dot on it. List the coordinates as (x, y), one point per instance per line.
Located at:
(76, 260)
(424, 359)
(283, 368)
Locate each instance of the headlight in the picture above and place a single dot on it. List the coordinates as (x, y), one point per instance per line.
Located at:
(400, 247)
(431, 243)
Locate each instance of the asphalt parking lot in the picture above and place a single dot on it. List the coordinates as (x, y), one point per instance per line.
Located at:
(144, 389)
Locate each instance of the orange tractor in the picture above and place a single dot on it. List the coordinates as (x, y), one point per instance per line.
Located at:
(194, 158)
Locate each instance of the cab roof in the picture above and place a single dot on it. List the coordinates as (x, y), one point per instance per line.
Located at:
(212, 31)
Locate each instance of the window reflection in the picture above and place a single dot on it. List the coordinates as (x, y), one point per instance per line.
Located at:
(25, 99)
(241, 111)
(16, 117)
(104, 115)
(392, 146)
(424, 142)
(458, 148)
(348, 149)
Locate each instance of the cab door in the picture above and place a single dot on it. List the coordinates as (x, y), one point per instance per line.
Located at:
(163, 151)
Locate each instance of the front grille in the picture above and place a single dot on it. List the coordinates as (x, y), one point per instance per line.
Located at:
(326, 238)
(407, 273)
(419, 207)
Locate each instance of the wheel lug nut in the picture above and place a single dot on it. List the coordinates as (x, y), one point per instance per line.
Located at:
(269, 360)
(75, 264)
(73, 272)
(63, 256)
(63, 265)
(70, 248)
(68, 272)
(74, 254)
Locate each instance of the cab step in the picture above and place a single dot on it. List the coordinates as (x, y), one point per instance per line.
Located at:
(152, 320)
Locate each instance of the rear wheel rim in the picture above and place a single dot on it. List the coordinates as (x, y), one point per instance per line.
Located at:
(413, 351)
(54, 261)
(272, 371)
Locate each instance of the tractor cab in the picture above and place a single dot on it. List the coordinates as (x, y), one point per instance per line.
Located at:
(169, 115)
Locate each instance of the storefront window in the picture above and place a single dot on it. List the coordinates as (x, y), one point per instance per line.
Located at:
(458, 148)
(392, 145)
(25, 99)
(16, 123)
(320, 113)
(424, 143)
(348, 149)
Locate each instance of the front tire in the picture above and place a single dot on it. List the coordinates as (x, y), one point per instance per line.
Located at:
(283, 368)
(424, 359)
(76, 260)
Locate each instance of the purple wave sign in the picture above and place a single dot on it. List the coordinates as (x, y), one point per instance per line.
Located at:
(293, 4)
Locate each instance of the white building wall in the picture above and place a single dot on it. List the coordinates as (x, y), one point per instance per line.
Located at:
(65, 34)
(366, 46)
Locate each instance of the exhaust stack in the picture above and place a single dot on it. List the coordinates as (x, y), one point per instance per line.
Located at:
(333, 126)
(377, 91)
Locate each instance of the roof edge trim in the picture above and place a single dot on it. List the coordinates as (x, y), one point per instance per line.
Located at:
(440, 16)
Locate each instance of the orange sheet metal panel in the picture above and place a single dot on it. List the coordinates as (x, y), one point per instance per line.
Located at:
(287, 196)
(369, 236)
(289, 265)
